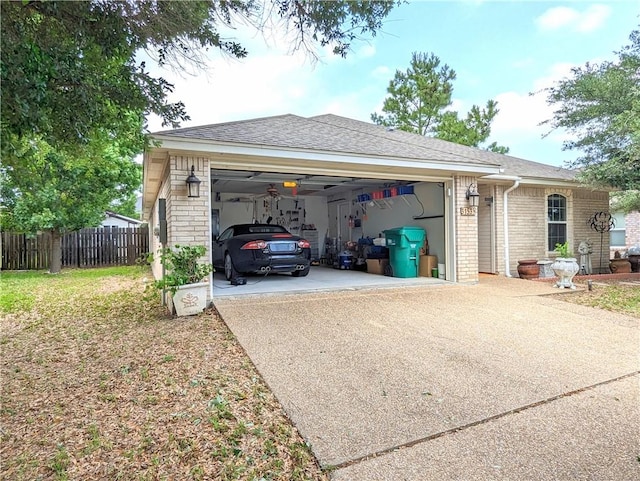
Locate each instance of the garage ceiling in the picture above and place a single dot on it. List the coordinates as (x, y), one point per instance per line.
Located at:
(249, 182)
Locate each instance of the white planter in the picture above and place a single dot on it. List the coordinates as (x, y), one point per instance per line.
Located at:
(565, 269)
(191, 299)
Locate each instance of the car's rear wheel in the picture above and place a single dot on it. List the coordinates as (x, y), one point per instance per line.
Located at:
(229, 271)
(303, 273)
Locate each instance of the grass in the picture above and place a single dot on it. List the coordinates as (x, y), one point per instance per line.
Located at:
(98, 382)
(610, 295)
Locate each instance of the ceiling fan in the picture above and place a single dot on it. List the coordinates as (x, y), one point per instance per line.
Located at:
(272, 191)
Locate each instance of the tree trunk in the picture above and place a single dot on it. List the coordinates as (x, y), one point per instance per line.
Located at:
(56, 252)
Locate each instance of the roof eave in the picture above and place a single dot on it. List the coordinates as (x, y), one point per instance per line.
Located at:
(216, 147)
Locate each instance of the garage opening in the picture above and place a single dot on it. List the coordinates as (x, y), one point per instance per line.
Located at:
(344, 220)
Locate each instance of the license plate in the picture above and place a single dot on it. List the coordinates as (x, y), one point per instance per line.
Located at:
(282, 246)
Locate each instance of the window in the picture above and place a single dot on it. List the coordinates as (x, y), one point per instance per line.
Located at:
(618, 233)
(556, 220)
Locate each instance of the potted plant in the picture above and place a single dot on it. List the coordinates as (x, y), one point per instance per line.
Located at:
(183, 278)
(619, 264)
(565, 266)
(528, 269)
(634, 257)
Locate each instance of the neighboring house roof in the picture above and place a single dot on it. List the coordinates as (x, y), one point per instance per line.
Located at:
(333, 133)
(130, 220)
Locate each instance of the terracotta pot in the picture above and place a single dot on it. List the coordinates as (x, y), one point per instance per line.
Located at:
(528, 269)
(620, 266)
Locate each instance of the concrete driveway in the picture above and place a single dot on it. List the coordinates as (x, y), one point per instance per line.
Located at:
(492, 381)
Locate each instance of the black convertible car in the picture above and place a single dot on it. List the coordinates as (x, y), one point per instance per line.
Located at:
(260, 248)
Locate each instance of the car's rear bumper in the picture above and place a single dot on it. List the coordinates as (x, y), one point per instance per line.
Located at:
(287, 264)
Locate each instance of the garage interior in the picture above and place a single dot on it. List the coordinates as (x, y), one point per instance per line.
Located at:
(339, 216)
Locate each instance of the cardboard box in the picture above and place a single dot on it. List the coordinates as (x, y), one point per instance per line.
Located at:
(426, 264)
(376, 266)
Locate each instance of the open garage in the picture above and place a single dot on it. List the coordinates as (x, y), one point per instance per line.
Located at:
(343, 218)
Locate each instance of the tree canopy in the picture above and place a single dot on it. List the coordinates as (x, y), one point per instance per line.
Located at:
(599, 105)
(52, 191)
(70, 68)
(75, 94)
(418, 100)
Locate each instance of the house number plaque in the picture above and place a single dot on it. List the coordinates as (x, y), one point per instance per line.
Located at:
(468, 210)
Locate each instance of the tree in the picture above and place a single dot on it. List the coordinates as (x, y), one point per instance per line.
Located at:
(70, 68)
(54, 192)
(126, 207)
(599, 104)
(418, 99)
(75, 95)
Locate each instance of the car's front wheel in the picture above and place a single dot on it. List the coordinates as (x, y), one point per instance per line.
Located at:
(229, 271)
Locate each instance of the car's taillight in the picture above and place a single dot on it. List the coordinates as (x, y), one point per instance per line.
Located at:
(303, 244)
(257, 244)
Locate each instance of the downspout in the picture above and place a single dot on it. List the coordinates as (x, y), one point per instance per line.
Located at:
(505, 221)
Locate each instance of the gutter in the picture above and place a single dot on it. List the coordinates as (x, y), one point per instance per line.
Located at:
(505, 220)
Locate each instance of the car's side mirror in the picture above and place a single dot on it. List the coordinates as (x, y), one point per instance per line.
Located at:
(215, 238)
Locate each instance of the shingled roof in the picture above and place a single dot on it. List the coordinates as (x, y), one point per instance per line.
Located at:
(336, 134)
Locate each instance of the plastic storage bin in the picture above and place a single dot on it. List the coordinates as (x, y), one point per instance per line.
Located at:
(404, 245)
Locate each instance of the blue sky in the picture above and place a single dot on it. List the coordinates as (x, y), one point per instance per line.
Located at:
(501, 50)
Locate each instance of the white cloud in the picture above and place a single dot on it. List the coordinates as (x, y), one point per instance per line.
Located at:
(521, 114)
(382, 72)
(366, 51)
(569, 18)
(263, 85)
(593, 18)
(557, 17)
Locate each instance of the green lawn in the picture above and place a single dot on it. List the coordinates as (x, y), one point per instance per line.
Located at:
(98, 382)
(20, 288)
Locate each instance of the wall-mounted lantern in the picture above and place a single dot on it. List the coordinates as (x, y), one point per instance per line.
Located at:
(193, 184)
(472, 195)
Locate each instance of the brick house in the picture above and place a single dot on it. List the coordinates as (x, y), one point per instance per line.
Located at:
(626, 232)
(524, 207)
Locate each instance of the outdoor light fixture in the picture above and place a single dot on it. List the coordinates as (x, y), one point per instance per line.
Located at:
(472, 195)
(193, 184)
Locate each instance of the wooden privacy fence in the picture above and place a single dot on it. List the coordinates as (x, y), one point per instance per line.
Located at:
(103, 246)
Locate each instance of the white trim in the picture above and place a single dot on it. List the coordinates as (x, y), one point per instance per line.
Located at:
(319, 156)
(130, 220)
(565, 184)
(450, 233)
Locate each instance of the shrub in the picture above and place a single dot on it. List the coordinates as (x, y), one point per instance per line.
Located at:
(182, 266)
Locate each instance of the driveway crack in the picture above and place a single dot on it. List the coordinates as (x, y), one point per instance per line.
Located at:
(440, 434)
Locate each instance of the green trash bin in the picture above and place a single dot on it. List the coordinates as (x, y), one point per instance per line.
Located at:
(404, 245)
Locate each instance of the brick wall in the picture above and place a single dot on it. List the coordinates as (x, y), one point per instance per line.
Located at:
(188, 218)
(466, 233)
(527, 208)
(527, 225)
(154, 244)
(498, 205)
(585, 204)
(632, 228)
